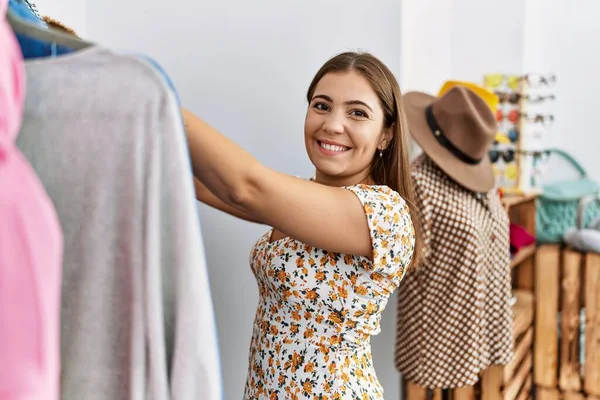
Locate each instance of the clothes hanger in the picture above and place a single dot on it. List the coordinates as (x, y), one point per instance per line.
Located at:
(48, 34)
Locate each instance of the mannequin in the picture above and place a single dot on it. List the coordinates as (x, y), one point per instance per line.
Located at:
(454, 313)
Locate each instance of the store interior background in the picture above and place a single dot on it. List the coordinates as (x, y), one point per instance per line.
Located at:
(245, 66)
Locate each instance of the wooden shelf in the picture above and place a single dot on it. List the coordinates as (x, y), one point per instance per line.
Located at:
(522, 348)
(523, 255)
(511, 200)
(522, 311)
(511, 391)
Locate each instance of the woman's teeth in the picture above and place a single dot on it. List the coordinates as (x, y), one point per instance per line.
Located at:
(332, 147)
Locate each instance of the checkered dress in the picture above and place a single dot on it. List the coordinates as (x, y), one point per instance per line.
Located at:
(454, 316)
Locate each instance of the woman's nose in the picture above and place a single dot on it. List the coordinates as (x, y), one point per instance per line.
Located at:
(334, 123)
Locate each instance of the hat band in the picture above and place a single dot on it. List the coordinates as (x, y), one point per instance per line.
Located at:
(439, 135)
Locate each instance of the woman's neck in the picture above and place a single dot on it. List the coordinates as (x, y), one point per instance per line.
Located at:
(337, 181)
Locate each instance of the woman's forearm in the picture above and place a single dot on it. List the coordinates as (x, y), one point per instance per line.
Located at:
(208, 149)
(207, 197)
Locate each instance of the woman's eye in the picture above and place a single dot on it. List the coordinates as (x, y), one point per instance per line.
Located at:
(358, 113)
(321, 106)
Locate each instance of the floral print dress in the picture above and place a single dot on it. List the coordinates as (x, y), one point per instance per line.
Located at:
(317, 309)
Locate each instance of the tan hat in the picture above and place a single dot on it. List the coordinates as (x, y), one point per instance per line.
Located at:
(456, 131)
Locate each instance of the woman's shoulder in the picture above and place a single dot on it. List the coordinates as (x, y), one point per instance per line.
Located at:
(378, 193)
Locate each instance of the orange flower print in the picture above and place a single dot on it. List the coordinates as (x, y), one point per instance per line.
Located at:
(307, 386)
(296, 316)
(361, 290)
(282, 276)
(310, 367)
(372, 308)
(343, 292)
(334, 340)
(311, 295)
(335, 318)
(320, 276)
(332, 368)
(294, 362)
(308, 333)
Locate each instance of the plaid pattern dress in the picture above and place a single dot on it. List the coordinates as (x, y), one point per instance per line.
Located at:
(454, 313)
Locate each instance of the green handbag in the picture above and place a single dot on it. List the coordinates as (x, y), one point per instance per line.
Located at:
(559, 203)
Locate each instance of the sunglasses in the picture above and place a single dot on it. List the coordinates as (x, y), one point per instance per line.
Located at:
(514, 98)
(507, 155)
(514, 115)
(544, 119)
(493, 81)
(539, 79)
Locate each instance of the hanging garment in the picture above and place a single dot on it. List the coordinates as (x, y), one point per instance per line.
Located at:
(454, 314)
(104, 132)
(30, 251)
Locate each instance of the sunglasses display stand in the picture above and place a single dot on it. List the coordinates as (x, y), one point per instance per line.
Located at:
(516, 152)
(504, 152)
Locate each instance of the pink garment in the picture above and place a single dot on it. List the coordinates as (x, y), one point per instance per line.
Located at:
(31, 246)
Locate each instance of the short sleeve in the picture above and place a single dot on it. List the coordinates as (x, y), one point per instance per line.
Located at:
(390, 226)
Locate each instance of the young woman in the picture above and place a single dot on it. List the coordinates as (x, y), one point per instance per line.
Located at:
(339, 245)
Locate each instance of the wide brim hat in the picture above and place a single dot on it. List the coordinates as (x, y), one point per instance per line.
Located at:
(456, 131)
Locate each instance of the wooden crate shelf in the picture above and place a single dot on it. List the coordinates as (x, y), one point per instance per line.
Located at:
(510, 201)
(515, 380)
(523, 255)
(555, 394)
(522, 349)
(567, 287)
(522, 312)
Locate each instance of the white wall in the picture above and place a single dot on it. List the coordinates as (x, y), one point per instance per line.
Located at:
(459, 39)
(566, 40)
(245, 67)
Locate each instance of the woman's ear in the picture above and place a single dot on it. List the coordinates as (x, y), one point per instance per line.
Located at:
(386, 138)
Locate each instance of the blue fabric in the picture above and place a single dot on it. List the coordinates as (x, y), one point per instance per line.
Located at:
(34, 48)
(166, 77)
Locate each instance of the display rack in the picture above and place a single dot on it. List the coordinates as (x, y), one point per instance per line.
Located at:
(515, 380)
(517, 150)
(508, 144)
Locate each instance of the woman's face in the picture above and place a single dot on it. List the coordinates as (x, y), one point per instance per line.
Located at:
(343, 129)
